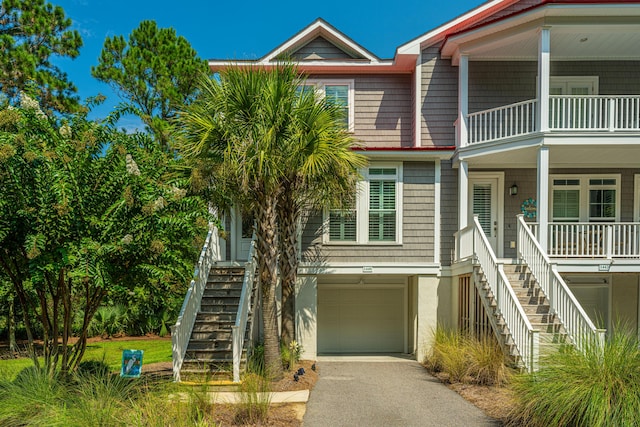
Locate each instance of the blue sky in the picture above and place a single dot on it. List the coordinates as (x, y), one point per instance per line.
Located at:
(246, 29)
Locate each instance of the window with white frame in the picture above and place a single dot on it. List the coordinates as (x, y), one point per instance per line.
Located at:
(376, 217)
(586, 198)
(339, 93)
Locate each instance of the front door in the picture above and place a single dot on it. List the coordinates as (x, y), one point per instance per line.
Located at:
(243, 231)
(484, 201)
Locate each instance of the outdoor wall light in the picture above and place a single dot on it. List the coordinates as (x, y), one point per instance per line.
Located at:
(513, 190)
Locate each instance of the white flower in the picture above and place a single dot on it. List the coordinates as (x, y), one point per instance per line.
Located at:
(158, 203)
(127, 239)
(29, 103)
(132, 167)
(65, 131)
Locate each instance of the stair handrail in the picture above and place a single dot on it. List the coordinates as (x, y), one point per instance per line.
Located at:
(524, 336)
(563, 303)
(181, 331)
(240, 326)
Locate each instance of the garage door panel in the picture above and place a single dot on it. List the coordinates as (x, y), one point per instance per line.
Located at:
(360, 320)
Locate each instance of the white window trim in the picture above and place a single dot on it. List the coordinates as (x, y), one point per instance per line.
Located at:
(321, 83)
(362, 210)
(584, 193)
(636, 201)
(594, 81)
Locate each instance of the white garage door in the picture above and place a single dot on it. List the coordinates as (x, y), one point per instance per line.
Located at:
(360, 320)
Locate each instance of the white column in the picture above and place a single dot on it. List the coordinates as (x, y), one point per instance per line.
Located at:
(307, 316)
(543, 196)
(544, 60)
(463, 195)
(429, 306)
(463, 100)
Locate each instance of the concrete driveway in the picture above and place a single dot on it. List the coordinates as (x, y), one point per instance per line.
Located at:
(385, 391)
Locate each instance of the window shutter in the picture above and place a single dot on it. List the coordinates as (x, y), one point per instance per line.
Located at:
(482, 206)
(382, 210)
(342, 225)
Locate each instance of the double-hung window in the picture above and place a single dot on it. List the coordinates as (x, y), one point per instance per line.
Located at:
(340, 93)
(376, 216)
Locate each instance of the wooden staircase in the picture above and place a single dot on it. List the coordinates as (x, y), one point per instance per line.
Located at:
(537, 308)
(209, 353)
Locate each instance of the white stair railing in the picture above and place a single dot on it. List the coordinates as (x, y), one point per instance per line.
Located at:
(502, 122)
(525, 338)
(240, 327)
(563, 303)
(181, 331)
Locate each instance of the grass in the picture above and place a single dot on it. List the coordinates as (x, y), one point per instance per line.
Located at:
(600, 387)
(108, 351)
(466, 359)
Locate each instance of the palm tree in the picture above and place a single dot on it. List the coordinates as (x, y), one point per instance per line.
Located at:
(241, 123)
(322, 171)
(263, 142)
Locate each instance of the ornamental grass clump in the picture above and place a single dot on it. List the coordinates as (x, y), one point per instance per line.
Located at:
(597, 387)
(467, 359)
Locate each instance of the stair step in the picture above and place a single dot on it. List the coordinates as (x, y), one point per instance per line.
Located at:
(536, 308)
(209, 345)
(225, 316)
(224, 284)
(221, 293)
(219, 334)
(218, 308)
(212, 326)
(548, 327)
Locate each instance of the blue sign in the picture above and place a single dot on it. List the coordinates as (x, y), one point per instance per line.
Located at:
(131, 363)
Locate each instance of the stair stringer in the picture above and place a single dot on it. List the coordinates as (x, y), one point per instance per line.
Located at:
(498, 324)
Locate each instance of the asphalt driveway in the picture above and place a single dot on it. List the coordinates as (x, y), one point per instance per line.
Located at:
(385, 391)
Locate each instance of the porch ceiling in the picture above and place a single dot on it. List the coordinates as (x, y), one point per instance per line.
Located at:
(561, 155)
(589, 32)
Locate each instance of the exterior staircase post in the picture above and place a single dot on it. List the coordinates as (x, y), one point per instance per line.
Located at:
(534, 357)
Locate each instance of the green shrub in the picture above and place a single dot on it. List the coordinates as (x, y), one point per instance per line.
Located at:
(290, 354)
(600, 387)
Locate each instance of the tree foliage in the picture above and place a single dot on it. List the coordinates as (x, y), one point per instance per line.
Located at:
(87, 211)
(155, 72)
(32, 33)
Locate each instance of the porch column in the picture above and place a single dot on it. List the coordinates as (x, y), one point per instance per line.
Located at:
(544, 60)
(463, 195)
(463, 100)
(543, 196)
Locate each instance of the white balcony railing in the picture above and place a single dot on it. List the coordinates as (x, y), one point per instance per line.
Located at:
(589, 113)
(503, 122)
(592, 240)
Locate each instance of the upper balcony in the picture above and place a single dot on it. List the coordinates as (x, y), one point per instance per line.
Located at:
(580, 114)
(555, 70)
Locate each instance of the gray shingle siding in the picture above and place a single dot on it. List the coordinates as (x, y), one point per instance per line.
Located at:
(383, 109)
(439, 106)
(448, 210)
(417, 227)
(319, 48)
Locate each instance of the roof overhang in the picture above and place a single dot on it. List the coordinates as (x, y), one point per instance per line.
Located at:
(578, 32)
(402, 64)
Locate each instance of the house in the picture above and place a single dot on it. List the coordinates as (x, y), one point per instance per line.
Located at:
(504, 178)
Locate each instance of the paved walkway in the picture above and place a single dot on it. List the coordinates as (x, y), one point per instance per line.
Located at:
(385, 391)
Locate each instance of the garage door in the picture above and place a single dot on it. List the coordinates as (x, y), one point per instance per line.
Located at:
(360, 320)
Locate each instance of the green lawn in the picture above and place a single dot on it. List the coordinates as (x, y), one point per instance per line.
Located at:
(155, 350)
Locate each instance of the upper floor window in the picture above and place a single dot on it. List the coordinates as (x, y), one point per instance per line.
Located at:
(377, 214)
(339, 93)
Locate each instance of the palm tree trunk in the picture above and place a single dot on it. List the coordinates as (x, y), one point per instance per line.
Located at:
(267, 253)
(288, 243)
